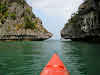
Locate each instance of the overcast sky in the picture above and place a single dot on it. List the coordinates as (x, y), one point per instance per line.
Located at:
(54, 13)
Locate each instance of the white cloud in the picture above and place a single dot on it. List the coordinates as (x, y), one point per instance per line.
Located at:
(63, 7)
(54, 3)
(38, 3)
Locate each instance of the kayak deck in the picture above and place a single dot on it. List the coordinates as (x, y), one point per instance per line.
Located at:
(55, 67)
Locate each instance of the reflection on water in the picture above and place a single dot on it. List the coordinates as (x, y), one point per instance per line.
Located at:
(29, 58)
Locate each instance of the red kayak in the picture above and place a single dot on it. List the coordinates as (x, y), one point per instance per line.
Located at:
(55, 67)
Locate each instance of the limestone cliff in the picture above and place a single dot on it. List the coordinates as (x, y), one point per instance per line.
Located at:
(17, 22)
(84, 25)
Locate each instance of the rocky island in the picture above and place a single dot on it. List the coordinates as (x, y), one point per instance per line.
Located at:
(84, 25)
(18, 22)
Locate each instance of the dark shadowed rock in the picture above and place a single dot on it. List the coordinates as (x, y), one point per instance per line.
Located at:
(85, 24)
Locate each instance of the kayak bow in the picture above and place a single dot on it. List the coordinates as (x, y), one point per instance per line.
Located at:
(55, 67)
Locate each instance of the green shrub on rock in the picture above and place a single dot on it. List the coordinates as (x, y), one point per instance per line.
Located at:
(6, 14)
(13, 16)
(28, 22)
(28, 10)
(33, 15)
(3, 8)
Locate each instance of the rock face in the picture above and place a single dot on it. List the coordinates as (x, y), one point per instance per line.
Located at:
(17, 22)
(85, 24)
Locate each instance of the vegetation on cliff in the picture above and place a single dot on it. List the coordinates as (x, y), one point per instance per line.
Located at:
(17, 18)
(84, 24)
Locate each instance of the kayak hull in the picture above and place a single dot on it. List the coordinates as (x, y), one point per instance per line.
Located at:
(55, 67)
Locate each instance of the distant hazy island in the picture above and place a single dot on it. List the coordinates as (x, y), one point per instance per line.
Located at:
(17, 22)
(84, 25)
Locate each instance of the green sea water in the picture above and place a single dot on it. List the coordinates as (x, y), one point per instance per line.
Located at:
(29, 58)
